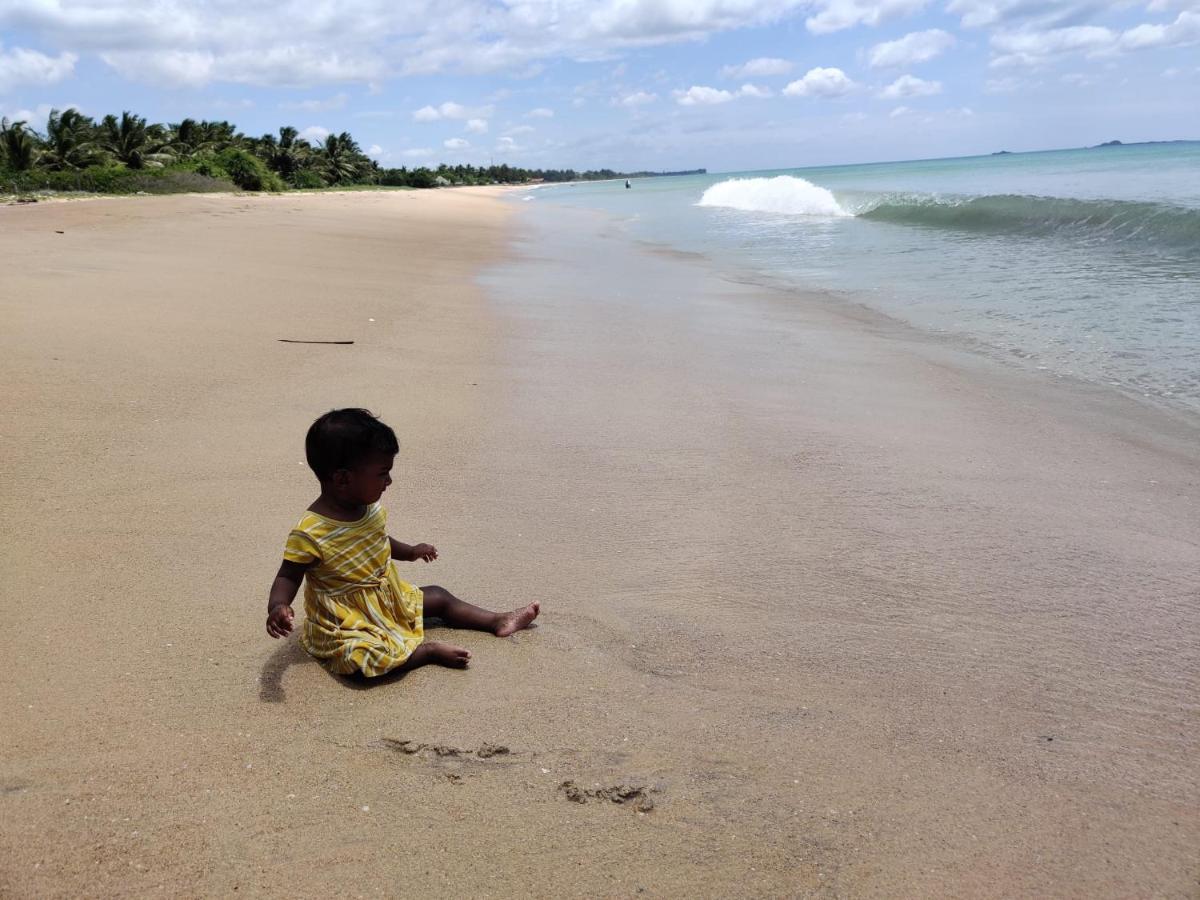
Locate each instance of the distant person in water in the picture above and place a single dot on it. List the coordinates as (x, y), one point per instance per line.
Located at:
(359, 615)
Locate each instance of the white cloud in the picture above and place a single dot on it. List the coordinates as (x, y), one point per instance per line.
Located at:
(451, 110)
(910, 86)
(274, 66)
(910, 50)
(369, 41)
(762, 67)
(835, 15)
(1024, 14)
(375, 150)
(541, 112)
(506, 145)
(456, 144)
(21, 66)
(1183, 31)
(638, 98)
(820, 82)
(647, 22)
(699, 95)
(899, 111)
(336, 102)
(417, 152)
(315, 134)
(753, 90)
(477, 126)
(36, 118)
(186, 67)
(519, 129)
(1034, 48)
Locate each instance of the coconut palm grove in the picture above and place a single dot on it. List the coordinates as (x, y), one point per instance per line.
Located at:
(125, 154)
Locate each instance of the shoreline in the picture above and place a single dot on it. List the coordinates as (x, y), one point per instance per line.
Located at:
(857, 614)
(883, 491)
(858, 312)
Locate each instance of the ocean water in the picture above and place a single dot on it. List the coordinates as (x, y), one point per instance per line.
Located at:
(1079, 263)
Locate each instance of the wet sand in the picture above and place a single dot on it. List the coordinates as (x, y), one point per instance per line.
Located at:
(831, 608)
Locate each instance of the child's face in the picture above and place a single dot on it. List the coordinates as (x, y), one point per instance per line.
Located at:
(366, 482)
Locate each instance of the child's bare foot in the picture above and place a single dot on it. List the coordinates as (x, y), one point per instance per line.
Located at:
(433, 652)
(517, 619)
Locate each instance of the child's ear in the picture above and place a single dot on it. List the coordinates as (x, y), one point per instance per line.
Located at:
(341, 477)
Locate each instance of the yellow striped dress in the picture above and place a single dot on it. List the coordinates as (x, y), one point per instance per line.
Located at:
(359, 615)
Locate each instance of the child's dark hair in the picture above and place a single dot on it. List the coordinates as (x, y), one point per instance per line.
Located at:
(343, 438)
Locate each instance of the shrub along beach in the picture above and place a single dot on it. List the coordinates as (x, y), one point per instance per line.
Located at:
(128, 155)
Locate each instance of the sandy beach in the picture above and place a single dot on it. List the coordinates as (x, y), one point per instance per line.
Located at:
(831, 607)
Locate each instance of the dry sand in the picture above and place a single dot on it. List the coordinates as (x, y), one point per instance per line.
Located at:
(835, 608)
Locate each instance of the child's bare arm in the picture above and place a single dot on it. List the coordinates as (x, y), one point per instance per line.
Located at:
(411, 553)
(283, 592)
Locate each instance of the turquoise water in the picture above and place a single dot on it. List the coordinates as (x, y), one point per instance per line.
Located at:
(1081, 263)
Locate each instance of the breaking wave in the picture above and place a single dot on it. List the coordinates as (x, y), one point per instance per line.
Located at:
(783, 194)
(1118, 221)
(1159, 225)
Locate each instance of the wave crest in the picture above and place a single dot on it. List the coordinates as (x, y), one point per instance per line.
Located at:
(782, 194)
(1108, 220)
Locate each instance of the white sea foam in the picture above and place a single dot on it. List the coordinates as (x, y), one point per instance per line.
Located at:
(782, 194)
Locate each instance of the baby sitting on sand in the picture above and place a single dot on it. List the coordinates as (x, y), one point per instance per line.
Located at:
(359, 615)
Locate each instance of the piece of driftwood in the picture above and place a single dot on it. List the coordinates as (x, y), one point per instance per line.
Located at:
(291, 341)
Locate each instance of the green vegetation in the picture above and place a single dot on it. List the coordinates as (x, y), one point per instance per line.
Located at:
(128, 155)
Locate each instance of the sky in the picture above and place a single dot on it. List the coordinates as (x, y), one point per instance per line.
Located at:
(727, 85)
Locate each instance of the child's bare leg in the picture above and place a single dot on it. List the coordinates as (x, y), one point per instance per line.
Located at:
(436, 653)
(444, 605)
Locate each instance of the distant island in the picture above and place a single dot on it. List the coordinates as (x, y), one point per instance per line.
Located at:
(1113, 143)
(1137, 144)
(663, 174)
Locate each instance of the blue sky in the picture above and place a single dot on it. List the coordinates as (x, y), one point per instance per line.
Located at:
(629, 84)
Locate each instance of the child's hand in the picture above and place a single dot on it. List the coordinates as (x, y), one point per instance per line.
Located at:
(279, 621)
(427, 552)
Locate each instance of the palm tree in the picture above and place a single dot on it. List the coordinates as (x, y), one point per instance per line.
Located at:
(188, 137)
(219, 135)
(70, 141)
(133, 142)
(18, 147)
(341, 158)
(287, 154)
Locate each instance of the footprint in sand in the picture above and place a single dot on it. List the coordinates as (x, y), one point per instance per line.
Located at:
(415, 748)
(622, 794)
